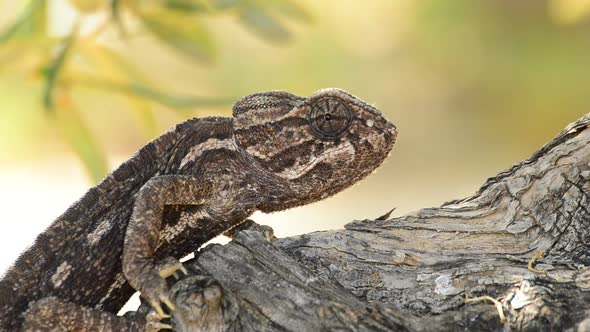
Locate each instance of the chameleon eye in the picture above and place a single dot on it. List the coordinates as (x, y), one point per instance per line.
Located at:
(329, 118)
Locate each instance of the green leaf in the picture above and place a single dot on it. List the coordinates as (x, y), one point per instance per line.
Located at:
(32, 20)
(52, 71)
(263, 23)
(140, 90)
(290, 9)
(187, 6)
(116, 16)
(177, 101)
(70, 126)
(185, 33)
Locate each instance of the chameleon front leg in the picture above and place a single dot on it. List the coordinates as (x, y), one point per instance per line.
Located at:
(143, 233)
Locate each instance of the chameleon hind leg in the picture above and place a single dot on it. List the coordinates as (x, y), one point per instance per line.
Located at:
(54, 314)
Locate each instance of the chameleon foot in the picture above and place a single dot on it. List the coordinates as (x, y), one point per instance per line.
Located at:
(154, 324)
(154, 288)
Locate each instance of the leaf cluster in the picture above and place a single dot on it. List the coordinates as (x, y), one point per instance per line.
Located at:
(83, 59)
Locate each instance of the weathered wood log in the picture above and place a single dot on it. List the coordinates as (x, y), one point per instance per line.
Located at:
(415, 272)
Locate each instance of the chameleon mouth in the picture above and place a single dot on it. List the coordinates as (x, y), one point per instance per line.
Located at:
(390, 133)
(390, 127)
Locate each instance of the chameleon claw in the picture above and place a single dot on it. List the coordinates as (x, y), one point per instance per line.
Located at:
(153, 286)
(164, 299)
(159, 310)
(162, 326)
(177, 274)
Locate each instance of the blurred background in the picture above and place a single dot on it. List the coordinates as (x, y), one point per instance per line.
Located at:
(473, 86)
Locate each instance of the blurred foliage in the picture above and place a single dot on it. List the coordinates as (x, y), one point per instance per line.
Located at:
(81, 59)
(517, 66)
(473, 85)
(491, 79)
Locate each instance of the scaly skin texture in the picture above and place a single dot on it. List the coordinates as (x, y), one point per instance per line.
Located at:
(187, 186)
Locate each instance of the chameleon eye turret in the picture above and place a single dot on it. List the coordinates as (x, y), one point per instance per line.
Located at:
(329, 118)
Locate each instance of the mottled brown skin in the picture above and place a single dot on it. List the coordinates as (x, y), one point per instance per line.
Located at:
(194, 182)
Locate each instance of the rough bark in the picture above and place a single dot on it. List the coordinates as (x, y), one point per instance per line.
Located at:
(415, 272)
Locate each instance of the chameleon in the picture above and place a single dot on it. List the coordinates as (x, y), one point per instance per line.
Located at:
(198, 180)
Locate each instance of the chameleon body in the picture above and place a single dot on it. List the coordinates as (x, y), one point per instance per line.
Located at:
(194, 182)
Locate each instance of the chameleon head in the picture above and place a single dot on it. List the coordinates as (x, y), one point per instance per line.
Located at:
(319, 145)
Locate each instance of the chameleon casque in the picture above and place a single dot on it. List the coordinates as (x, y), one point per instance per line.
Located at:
(194, 182)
